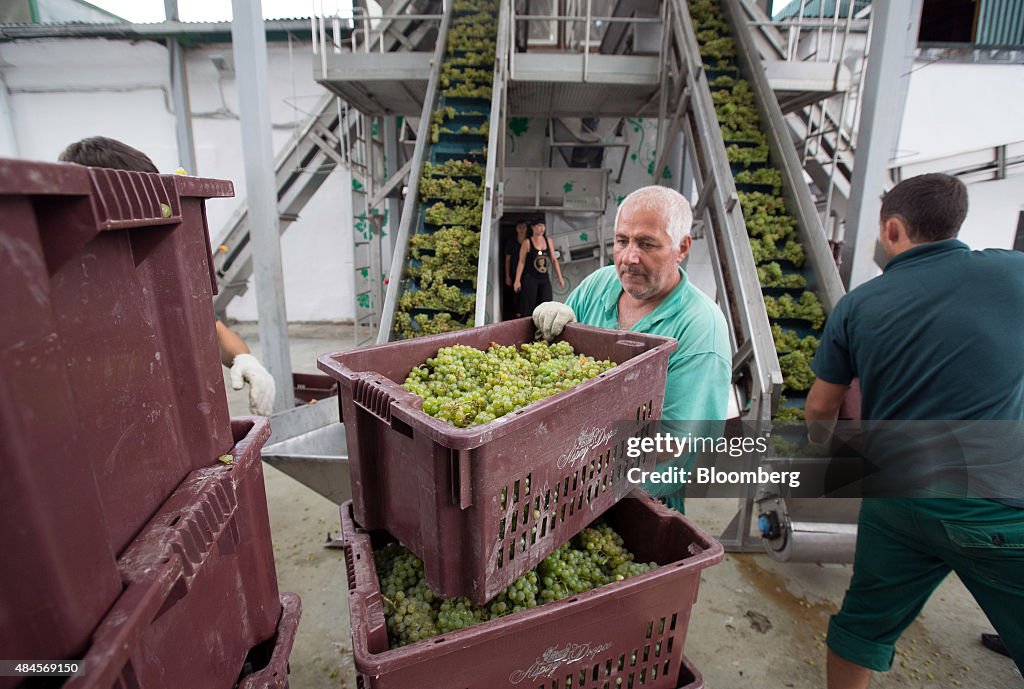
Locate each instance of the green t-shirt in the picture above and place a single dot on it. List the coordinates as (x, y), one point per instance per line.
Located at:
(699, 371)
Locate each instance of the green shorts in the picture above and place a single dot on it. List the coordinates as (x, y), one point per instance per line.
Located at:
(905, 548)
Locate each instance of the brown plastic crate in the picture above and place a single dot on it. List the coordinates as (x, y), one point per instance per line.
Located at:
(482, 505)
(313, 387)
(200, 587)
(274, 669)
(111, 389)
(586, 642)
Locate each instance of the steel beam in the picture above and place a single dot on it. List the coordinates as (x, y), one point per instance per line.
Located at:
(249, 45)
(890, 58)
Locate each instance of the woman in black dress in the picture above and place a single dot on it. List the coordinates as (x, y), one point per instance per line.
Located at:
(536, 256)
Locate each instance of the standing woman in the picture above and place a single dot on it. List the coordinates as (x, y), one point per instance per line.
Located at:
(536, 255)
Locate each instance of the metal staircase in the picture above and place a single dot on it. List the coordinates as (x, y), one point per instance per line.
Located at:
(336, 134)
(323, 143)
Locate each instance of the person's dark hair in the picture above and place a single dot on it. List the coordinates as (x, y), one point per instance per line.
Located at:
(537, 220)
(932, 206)
(99, 151)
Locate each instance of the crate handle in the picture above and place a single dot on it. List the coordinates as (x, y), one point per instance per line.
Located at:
(368, 393)
(459, 465)
(366, 600)
(158, 568)
(371, 393)
(126, 199)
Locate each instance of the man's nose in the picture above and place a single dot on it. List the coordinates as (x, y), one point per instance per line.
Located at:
(630, 254)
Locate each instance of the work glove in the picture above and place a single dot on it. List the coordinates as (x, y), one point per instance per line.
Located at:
(551, 318)
(247, 369)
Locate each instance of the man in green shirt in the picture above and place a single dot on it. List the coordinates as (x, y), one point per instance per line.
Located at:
(647, 291)
(935, 338)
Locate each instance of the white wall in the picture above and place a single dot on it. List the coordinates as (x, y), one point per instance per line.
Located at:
(63, 90)
(992, 214)
(957, 108)
(960, 107)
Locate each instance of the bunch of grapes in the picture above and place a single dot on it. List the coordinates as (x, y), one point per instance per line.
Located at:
(765, 175)
(453, 168)
(426, 325)
(466, 386)
(595, 557)
(789, 341)
(436, 295)
(442, 215)
(796, 371)
(456, 190)
(808, 308)
(771, 275)
(758, 202)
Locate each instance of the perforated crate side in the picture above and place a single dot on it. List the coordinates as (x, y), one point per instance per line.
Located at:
(633, 630)
(482, 505)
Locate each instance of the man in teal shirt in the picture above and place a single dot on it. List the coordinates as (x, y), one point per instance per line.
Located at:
(936, 337)
(647, 291)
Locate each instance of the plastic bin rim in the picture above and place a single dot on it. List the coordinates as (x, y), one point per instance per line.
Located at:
(407, 406)
(375, 663)
(29, 177)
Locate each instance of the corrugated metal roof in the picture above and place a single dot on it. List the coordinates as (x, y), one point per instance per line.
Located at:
(277, 29)
(813, 8)
(1001, 22)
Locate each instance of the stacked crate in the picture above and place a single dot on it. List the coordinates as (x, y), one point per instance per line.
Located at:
(483, 505)
(131, 502)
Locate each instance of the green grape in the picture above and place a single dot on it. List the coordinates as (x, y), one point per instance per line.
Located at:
(771, 275)
(808, 308)
(766, 175)
(454, 168)
(595, 557)
(796, 371)
(788, 341)
(466, 386)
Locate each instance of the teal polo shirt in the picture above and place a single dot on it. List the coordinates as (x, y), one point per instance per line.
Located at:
(700, 370)
(938, 337)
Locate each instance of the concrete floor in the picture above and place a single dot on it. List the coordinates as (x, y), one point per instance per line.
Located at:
(940, 649)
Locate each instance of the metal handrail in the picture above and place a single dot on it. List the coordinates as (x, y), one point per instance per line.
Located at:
(410, 209)
(486, 269)
(719, 201)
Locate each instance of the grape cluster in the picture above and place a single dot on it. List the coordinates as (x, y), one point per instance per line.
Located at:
(789, 341)
(453, 168)
(466, 386)
(456, 190)
(807, 308)
(595, 557)
(765, 175)
(771, 275)
(796, 371)
(426, 325)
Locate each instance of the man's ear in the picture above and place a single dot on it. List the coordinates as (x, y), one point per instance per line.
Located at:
(894, 230)
(684, 247)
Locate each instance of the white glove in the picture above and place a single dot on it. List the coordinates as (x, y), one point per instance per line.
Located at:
(247, 369)
(551, 318)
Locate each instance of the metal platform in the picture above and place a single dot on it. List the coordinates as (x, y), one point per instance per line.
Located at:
(567, 85)
(378, 83)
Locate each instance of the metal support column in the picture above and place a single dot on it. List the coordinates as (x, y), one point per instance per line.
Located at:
(179, 96)
(8, 141)
(249, 45)
(394, 162)
(894, 36)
